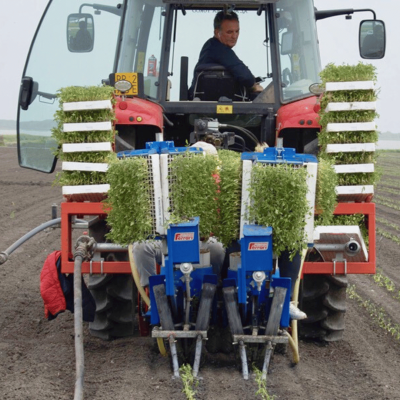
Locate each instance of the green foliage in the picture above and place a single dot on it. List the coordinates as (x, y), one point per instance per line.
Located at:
(325, 138)
(193, 190)
(348, 73)
(360, 157)
(88, 156)
(189, 382)
(361, 178)
(278, 197)
(347, 96)
(229, 197)
(80, 178)
(129, 214)
(325, 197)
(85, 93)
(347, 116)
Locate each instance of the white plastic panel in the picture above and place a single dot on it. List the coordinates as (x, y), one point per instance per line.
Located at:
(354, 168)
(86, 147)
(246, 181)
(353, 106)
(79, 189)
(87, 105)
(350, 147)
(87, 126)
(80, 166)
(358, 85)
(351, 126)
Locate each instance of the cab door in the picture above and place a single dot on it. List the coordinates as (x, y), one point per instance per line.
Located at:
(54, 62)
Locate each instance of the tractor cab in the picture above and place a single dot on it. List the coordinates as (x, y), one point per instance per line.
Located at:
(155, 46)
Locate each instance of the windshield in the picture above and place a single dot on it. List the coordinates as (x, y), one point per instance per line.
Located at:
(141, 41)
(52, 64)
(298, 47)
(195, 27)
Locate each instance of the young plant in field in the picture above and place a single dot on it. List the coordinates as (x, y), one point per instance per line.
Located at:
(189, 382)
(194, 190)
(262, 385)
(377, 314)
(278, 199)
(128, 203)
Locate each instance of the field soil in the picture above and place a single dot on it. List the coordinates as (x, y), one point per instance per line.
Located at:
(37, 358)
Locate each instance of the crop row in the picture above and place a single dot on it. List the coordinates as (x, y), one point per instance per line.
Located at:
(377, 314)
(385, 202)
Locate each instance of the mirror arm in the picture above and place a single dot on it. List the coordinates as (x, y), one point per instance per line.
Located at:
(334, 13)
(100, 7)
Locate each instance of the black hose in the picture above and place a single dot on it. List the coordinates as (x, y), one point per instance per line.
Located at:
(248, 133)
(242, 141)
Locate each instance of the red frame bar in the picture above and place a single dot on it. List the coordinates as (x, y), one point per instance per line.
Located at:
(69, 209)
(367, 267)
(67, 266)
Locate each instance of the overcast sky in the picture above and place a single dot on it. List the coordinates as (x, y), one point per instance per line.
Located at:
(338, 44)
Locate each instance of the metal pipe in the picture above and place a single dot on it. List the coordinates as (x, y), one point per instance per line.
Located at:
(243, 356)
(267, 358)
(174, 356)
(5, 254)
(112, 247)
(197, 356)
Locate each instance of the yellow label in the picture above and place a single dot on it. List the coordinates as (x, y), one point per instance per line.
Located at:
(130, 77)
(140, 62)
(224, 109)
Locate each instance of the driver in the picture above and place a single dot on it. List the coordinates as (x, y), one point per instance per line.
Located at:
(218, 50)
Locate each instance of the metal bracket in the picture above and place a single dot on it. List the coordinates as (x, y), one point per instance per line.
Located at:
(339, 258)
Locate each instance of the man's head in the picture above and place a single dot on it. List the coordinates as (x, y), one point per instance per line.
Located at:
(226, 28)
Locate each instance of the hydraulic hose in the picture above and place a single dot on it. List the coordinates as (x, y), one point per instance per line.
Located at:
(295, 299)
(79, 353)
(136, 278)
(248, 133)
(84, 249)
(5, 254)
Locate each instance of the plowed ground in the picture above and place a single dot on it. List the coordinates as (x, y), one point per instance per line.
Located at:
(37, 358)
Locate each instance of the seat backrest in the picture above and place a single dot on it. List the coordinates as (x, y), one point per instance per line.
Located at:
(214, 81)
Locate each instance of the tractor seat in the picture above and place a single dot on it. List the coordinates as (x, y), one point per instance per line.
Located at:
(213, 82)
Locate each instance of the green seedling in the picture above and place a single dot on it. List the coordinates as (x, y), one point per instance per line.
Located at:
(189, 382)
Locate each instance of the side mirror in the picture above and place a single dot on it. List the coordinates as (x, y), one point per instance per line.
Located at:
(372, 39)
(287, 43)
(80, 33)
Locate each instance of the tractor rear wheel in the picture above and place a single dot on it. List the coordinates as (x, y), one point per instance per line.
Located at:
(323, 299)
(115, 296)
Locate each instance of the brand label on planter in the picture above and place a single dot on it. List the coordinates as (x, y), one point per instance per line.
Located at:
(258, 246)
(184, 237)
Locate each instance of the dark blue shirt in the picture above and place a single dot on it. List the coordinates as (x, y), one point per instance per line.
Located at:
(215, 52)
